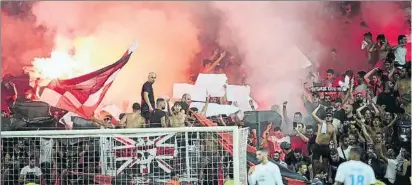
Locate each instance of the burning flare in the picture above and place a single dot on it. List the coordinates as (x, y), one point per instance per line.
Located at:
(62, 64)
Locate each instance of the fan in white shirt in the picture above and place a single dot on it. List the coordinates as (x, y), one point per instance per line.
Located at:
(266, 172)
(355, 172)
(400, 50)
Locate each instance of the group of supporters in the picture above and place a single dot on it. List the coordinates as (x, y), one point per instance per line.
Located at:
(372, 115)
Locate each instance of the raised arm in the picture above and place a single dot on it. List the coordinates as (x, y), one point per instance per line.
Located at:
(221, 120)
(391, 74)
(359, 110)
(397, 46)
(366, 77)
(375, 108)
(372, 48)
(215, 63)
(391, 123)
(316, 116)
(285, 113)
(205, 106)
(169, 110)
(302, 136)
(365, 132)
(266, 132)
(349, 94)
(383, 156)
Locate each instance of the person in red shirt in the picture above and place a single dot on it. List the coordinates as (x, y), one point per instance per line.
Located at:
(300, 140)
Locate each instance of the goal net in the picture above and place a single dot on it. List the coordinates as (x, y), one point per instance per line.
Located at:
(195, 155)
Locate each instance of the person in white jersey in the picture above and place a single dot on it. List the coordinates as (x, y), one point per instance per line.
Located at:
(266, 172)
(354, 171)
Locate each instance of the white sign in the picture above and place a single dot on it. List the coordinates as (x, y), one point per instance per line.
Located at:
(215, 109)
(213, 83)
(238, 92)
(197, 93)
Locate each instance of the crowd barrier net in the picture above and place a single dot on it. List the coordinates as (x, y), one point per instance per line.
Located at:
(189, 155)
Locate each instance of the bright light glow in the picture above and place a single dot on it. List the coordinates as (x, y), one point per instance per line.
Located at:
(64, 65)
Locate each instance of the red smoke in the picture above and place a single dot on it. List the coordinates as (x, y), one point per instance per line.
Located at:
(21, 42)
(170, 34)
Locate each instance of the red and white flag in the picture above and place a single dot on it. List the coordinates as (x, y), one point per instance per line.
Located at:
(83, 94)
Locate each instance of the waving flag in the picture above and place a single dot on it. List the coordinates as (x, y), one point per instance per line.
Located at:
(82, 95)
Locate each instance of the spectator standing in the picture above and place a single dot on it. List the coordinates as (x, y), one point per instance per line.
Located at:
(400, 50)
(325, 134)
(373, 55)
(147, 95)
(300, 140)
(158, 116)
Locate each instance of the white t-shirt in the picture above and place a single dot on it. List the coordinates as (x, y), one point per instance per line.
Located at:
(337, 124)
(266, 174)
(346, 152)
(391, 170)
(400, 55)
(26, 170)
(355, 172)
(281, 140)
(46, 149)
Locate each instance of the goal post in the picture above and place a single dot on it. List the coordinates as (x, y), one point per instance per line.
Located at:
(190, 155)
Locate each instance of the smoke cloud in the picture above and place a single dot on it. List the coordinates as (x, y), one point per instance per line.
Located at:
(170, 34)
(21, 42)
(265, 33)
(167, 40)
(268, 35)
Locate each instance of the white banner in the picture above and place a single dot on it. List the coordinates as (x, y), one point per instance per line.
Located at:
(213, 83)
(197, 93)
(215, 109)
(238, 93)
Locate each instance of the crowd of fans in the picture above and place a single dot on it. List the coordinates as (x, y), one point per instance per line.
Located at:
(372, 111)
(367, 109)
